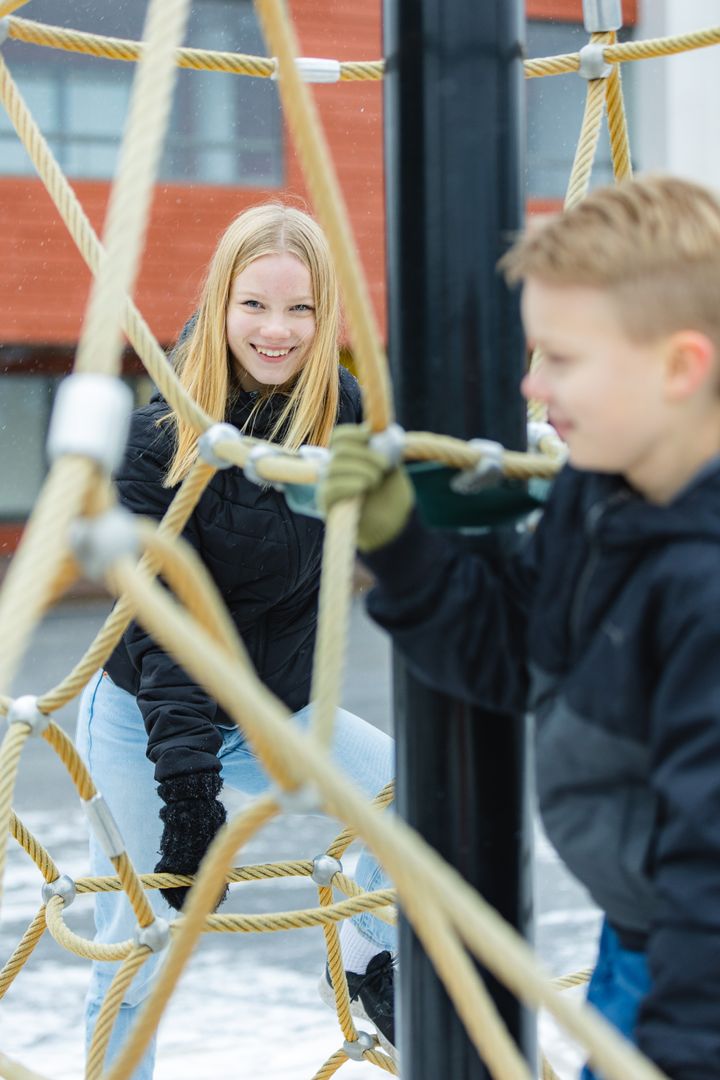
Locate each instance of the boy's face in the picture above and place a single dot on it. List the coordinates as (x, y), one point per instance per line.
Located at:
(604, 393)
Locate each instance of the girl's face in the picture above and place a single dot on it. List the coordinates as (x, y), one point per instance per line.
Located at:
(270, 321)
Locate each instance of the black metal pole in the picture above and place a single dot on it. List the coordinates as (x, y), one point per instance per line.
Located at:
(455, 193)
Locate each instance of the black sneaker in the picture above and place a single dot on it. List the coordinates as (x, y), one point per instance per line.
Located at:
(371, 997)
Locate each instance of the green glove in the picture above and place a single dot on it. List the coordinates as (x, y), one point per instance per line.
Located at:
(356, 470)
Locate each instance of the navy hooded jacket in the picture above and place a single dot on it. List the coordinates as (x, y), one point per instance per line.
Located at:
(606, 624)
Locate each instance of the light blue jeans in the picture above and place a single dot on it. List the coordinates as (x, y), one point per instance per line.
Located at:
(112, 741)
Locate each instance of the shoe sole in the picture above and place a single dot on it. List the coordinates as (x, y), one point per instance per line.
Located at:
(357, 1009)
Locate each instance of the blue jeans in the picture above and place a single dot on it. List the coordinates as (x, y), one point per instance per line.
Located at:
(112, 741)
(619, 983)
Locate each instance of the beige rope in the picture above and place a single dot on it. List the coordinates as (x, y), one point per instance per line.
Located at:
(333, 616)
(12, 1070)
(617, 125)
(8, 6)
(321, 178)
(417, 870)
(93, 252)
(110, 1009)
(22, 952)
(440, 905)
(112, 48)
(35, 850)
(177, 516)
(100, 345)
(200, 901)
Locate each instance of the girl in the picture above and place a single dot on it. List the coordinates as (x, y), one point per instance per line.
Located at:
(262, 354)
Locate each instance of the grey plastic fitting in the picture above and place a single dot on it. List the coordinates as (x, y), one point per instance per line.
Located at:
(91, 418)
(356, 1050)
(600, 16)
(104, 826)
(209, 440)
(155, 936)
(98, 542)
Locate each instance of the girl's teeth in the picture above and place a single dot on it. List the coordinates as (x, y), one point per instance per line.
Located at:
(272, 352)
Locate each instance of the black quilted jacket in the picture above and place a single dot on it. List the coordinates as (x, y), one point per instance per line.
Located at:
(265, 561)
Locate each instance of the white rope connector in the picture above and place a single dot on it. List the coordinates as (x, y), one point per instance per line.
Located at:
(313, 69)
(325, 867)
(209, 440)
(91, 417)
(600, 16)
(4, 30)
(155, 936)
(356, 1050)
(537, 430)
(592, 62)
(24, 710)
(100, 541)
(62, 886)
(390, 443)
(104, 826)
(250, 466)
(486, 473)
(319, 454)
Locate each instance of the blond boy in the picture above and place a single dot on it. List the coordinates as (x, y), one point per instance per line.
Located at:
(606, 625)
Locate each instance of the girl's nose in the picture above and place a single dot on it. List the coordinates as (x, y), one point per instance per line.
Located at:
(275, 327)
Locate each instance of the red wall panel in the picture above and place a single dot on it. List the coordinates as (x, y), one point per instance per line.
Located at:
(572, 10)
(44, 283)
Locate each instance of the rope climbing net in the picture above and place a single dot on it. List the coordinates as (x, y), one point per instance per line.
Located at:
(77, 527)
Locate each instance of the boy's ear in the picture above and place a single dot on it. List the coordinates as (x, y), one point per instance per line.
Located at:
(691, 362)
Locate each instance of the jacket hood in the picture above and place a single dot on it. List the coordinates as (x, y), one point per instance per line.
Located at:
(617, 516)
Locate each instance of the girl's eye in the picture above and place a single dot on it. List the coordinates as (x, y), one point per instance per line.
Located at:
(303, 307)
(254, 304)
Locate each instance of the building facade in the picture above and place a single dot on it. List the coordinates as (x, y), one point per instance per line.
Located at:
(227, 148)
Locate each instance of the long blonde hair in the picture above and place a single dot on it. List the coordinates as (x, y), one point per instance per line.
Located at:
(202, 360)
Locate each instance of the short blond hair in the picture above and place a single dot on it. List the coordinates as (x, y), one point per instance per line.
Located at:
(652, 243)
(203, 362)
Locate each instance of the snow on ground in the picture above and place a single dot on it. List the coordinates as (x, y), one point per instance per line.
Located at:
(247, 1005)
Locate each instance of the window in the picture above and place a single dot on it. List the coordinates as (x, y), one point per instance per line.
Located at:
(225, 129)
(555, 110)
(25, 408)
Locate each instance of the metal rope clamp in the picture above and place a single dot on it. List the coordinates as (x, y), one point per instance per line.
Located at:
(325, 867)
(4, 30)
(210, 438)
(155, 936)
(24, 710)
(104, 826)
(488, 471)
(356, 1050)
(250, 467)
(98, 542)
(62, 886)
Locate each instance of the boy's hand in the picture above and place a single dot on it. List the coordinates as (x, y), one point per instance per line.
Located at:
(357, 470)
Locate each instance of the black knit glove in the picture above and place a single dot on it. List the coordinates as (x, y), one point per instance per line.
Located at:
(192, 814)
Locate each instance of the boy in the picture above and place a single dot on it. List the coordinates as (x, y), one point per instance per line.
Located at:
(607, 624)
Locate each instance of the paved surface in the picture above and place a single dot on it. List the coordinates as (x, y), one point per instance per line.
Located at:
(248, 1005)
